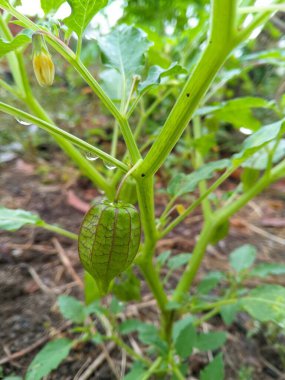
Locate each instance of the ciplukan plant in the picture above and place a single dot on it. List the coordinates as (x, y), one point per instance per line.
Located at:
(121, 231)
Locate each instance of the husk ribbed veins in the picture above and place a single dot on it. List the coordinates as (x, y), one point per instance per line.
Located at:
(109, 240)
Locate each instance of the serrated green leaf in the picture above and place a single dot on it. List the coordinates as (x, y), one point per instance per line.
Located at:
(7, 46)
(266, 303)
(267, 269)
(48, 358)
(12, 220)
(82, 13)
(156, 73)
(183, 184)
(184, 336)
(71, 309)
(51, 5)
(215, 370)
(243, 257)
(210, 341)
(123, 50)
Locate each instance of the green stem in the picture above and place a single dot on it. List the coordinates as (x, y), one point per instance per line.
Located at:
(276, 173)
(58, 230)
(152, 369)
(214, 305)
(10, 89)
(219, 45)
(198, 162)
(129, 350)
(60, 132)
(195, 261)
(196, 203)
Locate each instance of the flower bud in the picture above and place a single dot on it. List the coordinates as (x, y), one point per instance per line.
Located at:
(42, 62)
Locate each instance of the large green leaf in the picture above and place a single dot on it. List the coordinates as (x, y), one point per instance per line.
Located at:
(266, 303)
(12, 220)
(123, 50)
(48, 358)
(215, 370)
(51, 5)
(17, 42)
(82, 13)
(183, 184)
(243, 257)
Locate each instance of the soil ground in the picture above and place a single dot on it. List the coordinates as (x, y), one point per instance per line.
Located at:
(32, 275)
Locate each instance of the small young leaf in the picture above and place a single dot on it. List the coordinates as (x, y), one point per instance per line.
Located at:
(243, 257)
(185, 341)
(71, 309)
(183, 184)
(130, 325)
(51, 5)
(210, 341)
(178, 260)
(229, 312)
(266, 303)
(249, 176)
(215, 370)
(209, 282)
(267, 269)
(12, 220)
(116, 306)
(260, 138)
(258, 161)
(91, 290)
(82, 13)
(48, 358)
(156, 73)
(18, 41)
(163, 257)
(184, 336)
(127, 286)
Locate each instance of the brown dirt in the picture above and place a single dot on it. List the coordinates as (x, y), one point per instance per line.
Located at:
(29, 312)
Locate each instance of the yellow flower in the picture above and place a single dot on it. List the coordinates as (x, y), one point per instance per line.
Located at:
(44, 69)
(42, 62)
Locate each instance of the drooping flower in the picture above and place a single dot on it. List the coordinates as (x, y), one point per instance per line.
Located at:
(42, 61)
